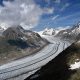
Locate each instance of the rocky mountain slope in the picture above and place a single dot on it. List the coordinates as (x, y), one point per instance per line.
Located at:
(72, 33)
(15, 42)
(66, 66)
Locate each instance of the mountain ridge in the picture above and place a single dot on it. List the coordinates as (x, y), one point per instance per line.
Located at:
(15, 42)
(71, 33)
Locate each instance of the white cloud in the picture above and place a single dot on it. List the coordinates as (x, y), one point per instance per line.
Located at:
(63, 28)
(65, 6)
(67, 17)
(24, 12)
(18, 12)
(55, 17)
(48, 10)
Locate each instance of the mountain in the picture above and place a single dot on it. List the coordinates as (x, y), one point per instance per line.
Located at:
(52, 31)
(66, 66)
(13, 32)
(18, 33)
(68, 33)
(15, 42)
(71, 33)
(48, 31)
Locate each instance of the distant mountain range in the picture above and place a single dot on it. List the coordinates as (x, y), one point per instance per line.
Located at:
(48, 31)
(72, 33)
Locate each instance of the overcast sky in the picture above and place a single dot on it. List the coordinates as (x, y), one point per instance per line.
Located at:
(39, 14)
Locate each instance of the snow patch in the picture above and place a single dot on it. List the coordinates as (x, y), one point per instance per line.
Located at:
(24, 38)
(78, 41)
(64, 32)
(76, 65)
(35, 76)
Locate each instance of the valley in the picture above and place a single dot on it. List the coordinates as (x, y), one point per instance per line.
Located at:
(33, 62)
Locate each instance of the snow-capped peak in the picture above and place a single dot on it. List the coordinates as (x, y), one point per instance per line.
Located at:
(79, 26)
(45, 29)
(48, 31)
(76, 29)
(79, 23)
(3, 26)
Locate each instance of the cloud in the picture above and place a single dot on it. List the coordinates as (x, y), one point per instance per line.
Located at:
(65, 6)
(63, 28)
(48, 10)
(20, 12)
(55, 17)
(72, 18)
(24, 12)
(64, 18)
(68, 17)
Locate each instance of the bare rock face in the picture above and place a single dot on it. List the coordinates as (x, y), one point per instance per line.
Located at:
(13, 32)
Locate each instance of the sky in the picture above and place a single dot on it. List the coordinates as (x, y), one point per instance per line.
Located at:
(39, 14)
